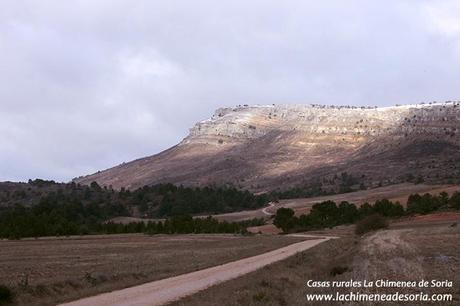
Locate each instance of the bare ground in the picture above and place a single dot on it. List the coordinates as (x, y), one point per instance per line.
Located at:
(170, 289)
(426, 251)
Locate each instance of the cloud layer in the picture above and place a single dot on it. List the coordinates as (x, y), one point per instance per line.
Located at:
(91, 84)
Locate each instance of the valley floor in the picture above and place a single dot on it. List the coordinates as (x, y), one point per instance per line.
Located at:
(170, 289)
(403, 252)
(46, 271)
(51, 270)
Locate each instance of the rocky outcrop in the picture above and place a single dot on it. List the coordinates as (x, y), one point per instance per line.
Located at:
(277, 146)
(245, 123)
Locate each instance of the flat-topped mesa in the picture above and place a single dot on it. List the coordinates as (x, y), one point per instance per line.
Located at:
(279, 146)
(240, 124)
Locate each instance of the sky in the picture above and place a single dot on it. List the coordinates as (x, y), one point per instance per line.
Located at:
(86, 85)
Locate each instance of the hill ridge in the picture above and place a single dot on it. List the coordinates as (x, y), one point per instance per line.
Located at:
(264, 147)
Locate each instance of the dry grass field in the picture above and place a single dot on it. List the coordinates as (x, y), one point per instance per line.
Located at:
(427, 250)
(50, 270)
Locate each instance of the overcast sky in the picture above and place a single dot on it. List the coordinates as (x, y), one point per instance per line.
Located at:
(86, 85)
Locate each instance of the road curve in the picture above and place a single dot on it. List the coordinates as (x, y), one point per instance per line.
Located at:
(265, 211)
(170, 289)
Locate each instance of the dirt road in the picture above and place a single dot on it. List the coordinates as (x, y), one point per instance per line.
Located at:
(399, 192)
(265, 211)
(170, 289)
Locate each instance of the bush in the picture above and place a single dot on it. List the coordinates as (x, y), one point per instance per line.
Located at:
(348, 213)
(365, 210)
(325, 214)
(454, 201)
(338, 270)
(388, 209)
(260, 297)
(6, 295)
(371, 223)
(284, 219)
(425, 204)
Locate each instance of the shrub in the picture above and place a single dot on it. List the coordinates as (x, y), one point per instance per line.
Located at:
(265, 283)
(365, 210)
(388, 209)
(425, 204)
(454, 201)
(260, 297)
(347, 213)
(325, 214)
(371, 223)
(284, 219)
(337, 270)
(6, 295)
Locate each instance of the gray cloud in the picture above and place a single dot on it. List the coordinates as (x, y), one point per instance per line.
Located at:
(91, 84)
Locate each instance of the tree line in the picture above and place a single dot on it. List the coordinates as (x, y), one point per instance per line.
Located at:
(45, 208)
(67, 219)
(185, 224)
(328, 214)
(337, 184)
(157, 201)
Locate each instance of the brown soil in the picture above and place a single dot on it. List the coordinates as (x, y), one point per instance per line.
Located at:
(170, 289)
(51, 270)
(412, 253)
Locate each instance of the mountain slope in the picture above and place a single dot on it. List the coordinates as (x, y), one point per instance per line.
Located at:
(278, 146)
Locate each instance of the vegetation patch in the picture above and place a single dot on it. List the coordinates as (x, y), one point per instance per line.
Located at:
(181, 225)
(260, 297)
(368, 217)
(338, 270)
(6, 295)
(371, 223)
(45, 208)
(336, 184)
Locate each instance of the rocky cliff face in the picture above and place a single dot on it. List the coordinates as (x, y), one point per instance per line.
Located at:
(236, 125)
(278, 146)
